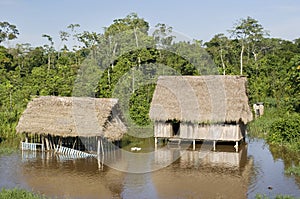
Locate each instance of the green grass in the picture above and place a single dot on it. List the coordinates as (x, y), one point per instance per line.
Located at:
(19, 194)
(260, 127)
(293, 170)
(6, 150)
(260, 196)
(9, 146)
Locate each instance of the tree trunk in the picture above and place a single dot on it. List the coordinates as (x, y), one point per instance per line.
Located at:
(241, 58)
(49, 62)
(136, 38)
(133, 78)
(223, 64)
(255, 56)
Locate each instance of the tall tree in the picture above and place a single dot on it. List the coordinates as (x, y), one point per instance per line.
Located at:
(8, 31)
(248, 32)
(219, 47)
(63, 35)
(163, 35)
(49, 48)
(126, 35)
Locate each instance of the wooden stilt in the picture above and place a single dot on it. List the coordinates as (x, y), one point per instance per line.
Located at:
(78, 144)
(26, 137)
(59, 142)
(214, 144)
(42, 141)
(47, 143)
(102, 147)
(194, 145)
(102, 155)
(74, 144)
(54, 143)
(98, 146)
(236, 146)
(99, 152)
(50, 142)
(155, 143)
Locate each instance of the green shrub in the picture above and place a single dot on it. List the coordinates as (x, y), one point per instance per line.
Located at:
(286, 131)
(293, 170)
(259, 127)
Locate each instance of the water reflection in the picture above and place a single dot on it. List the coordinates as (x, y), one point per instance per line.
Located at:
(289, 158)
(196, 174)
(204, 174)
(225, 157)
(193, 173)
(268, 175)
(56, 175)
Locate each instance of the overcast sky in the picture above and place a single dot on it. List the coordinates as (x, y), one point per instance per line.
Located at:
(196, 19)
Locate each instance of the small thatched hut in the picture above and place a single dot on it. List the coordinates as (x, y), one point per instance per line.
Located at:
(200, 108)
(70, 121)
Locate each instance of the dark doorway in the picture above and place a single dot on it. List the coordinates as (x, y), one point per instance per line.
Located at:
(176, 128)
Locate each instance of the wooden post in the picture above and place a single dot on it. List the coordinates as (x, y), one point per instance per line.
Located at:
(102, 147)
(50, 142)
(47, 143)
(42, 141)
(98, 146)
(74, 143)
(214, 143)
(194, 145)
(155, 143)
(58, 143)
(26, 137)
(236, 146)
(77, 143)
(54, 143)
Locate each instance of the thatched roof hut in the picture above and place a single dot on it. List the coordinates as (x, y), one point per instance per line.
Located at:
(72, 117)
(200, 107)
(202, 99)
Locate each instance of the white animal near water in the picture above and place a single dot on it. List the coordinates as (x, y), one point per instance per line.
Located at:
(135, 148)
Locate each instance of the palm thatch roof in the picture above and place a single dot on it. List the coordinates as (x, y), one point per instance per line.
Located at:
(73, 116)
(201, 99)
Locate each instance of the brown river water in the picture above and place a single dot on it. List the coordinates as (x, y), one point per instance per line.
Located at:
(169, 172)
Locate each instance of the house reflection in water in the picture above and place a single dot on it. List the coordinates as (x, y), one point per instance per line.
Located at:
(63, 176)
(225, 157)
(203, 173)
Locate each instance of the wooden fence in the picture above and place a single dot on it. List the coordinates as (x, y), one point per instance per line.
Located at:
(73, 152)
(31, 146)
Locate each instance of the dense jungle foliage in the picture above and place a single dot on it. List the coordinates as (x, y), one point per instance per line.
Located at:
(126, 59)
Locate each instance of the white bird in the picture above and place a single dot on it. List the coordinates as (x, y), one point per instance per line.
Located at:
(135, 148)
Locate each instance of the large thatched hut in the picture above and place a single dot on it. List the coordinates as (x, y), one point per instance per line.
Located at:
(200, 108)
(74, 122)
